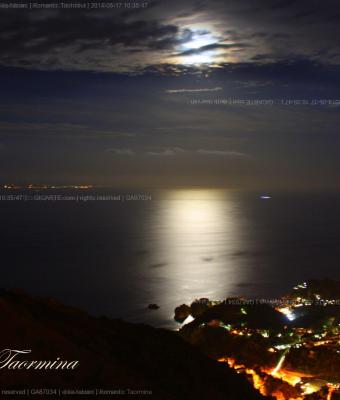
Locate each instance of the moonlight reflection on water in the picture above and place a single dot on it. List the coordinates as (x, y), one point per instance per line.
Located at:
(194, 231)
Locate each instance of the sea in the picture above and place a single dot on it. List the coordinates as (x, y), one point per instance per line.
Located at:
(112, 252)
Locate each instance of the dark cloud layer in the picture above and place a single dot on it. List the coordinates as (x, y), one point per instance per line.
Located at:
(123, 40)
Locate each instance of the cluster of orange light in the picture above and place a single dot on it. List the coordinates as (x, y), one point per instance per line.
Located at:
(257, 380)
(333, 388)
(259, 383)
(278, 396)
(292, 378)
(330, 391)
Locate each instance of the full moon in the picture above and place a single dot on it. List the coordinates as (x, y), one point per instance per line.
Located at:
(203, 56)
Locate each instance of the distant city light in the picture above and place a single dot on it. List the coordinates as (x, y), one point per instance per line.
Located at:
(288, 313)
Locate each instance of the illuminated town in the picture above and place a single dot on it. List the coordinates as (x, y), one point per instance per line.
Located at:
(288, 348)
(43, 186)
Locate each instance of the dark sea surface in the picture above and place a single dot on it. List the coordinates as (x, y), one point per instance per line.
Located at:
(114, 257)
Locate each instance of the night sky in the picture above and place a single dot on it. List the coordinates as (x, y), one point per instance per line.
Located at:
(235, 94)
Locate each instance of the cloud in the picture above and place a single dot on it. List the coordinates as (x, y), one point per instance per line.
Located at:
(121, 152)
(58, 130)
(215, 89)
(222, 153)
(213, 46)
(79, 40)
(123, 40)
(166, 152)
(173, 151)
